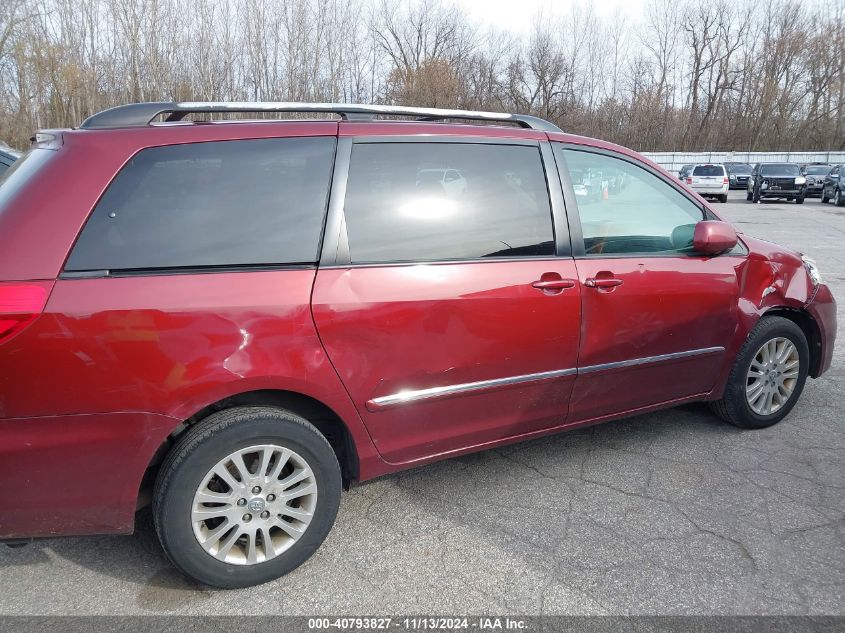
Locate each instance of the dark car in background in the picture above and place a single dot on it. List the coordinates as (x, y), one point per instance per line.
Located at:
(833, 188)
(7, 157)
(684, 171)
(776, 180)
(738, 174)
(815, 174)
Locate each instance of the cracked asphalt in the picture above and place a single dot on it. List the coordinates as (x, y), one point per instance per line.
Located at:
(667, 513)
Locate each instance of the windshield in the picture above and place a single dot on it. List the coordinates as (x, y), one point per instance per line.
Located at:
(817, 170)
(780, 169)
(708, 170)
(738, 168)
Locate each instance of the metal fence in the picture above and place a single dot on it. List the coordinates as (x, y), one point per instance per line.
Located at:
(673, 161)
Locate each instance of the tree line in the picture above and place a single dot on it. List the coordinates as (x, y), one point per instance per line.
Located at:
(745, 75)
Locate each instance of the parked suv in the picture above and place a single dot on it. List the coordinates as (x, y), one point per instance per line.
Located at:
(709, 181)
(241, 319)
(814, 174)
(738, 174)
(776, 180)
(833, 187)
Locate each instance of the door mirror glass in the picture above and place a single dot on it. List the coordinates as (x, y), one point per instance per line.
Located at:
(712, 237)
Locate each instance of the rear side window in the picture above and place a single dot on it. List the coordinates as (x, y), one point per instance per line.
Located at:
(224, 203)
(441, 201)
(708, 170)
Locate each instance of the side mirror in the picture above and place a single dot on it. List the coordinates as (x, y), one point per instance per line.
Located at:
(712, 237)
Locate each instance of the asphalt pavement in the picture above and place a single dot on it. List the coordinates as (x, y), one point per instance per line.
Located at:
(668, 513)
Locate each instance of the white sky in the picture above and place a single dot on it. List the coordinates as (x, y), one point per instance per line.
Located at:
(517, 15)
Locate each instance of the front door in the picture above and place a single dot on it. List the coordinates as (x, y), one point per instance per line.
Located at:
(454, 323)
(657, 318)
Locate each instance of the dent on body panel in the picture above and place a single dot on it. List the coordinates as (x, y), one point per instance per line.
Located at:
(109, 350)
(773, 277)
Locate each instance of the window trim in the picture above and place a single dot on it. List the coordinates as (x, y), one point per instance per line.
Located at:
(575, 229)
(336, 252)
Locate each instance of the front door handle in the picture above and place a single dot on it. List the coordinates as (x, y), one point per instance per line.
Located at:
(602, 282)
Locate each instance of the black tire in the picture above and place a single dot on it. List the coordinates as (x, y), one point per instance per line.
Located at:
(734, 407)
(838, 199)
(799, 200)
(199, 450)
(723, 198)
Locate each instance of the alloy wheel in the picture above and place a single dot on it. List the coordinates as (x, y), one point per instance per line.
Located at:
(772, 377)
(254, 504)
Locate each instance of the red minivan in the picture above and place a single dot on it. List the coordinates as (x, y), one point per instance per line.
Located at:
(235, 319)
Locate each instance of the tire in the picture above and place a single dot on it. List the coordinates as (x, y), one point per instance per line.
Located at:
(187, 471)
(838, 199)
(799, 200)
(734, 407)
(723, 198)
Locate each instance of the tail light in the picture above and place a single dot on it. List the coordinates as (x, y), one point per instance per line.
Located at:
(689, 180)
(725, 180)
(20, 305)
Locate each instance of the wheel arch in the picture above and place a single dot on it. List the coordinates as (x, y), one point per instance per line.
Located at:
(324, 418)
(808, 325)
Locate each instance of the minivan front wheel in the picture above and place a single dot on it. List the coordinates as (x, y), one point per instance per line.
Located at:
(768, 375)
(246, 496)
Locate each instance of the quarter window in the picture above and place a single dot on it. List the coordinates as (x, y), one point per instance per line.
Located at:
(225, 203)
(442, 201)
(626, 209)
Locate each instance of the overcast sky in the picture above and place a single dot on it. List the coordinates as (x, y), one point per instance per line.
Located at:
(517, 15)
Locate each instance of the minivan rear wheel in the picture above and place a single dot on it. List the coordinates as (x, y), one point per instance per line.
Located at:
(246, 496)
(767, 377)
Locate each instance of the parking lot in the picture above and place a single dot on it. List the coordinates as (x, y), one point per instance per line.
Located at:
(672, 513)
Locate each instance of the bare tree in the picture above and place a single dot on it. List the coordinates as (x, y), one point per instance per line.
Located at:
(724, 74)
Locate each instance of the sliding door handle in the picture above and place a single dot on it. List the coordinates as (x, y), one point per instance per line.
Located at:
(553, 284)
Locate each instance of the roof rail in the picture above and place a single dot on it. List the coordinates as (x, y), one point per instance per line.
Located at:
(142, 114)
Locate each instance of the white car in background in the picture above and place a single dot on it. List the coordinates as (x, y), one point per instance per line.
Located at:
(709, 181)
(451, 181)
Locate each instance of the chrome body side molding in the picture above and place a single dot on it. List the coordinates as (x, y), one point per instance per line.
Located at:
(416, 395)
(648, 360)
